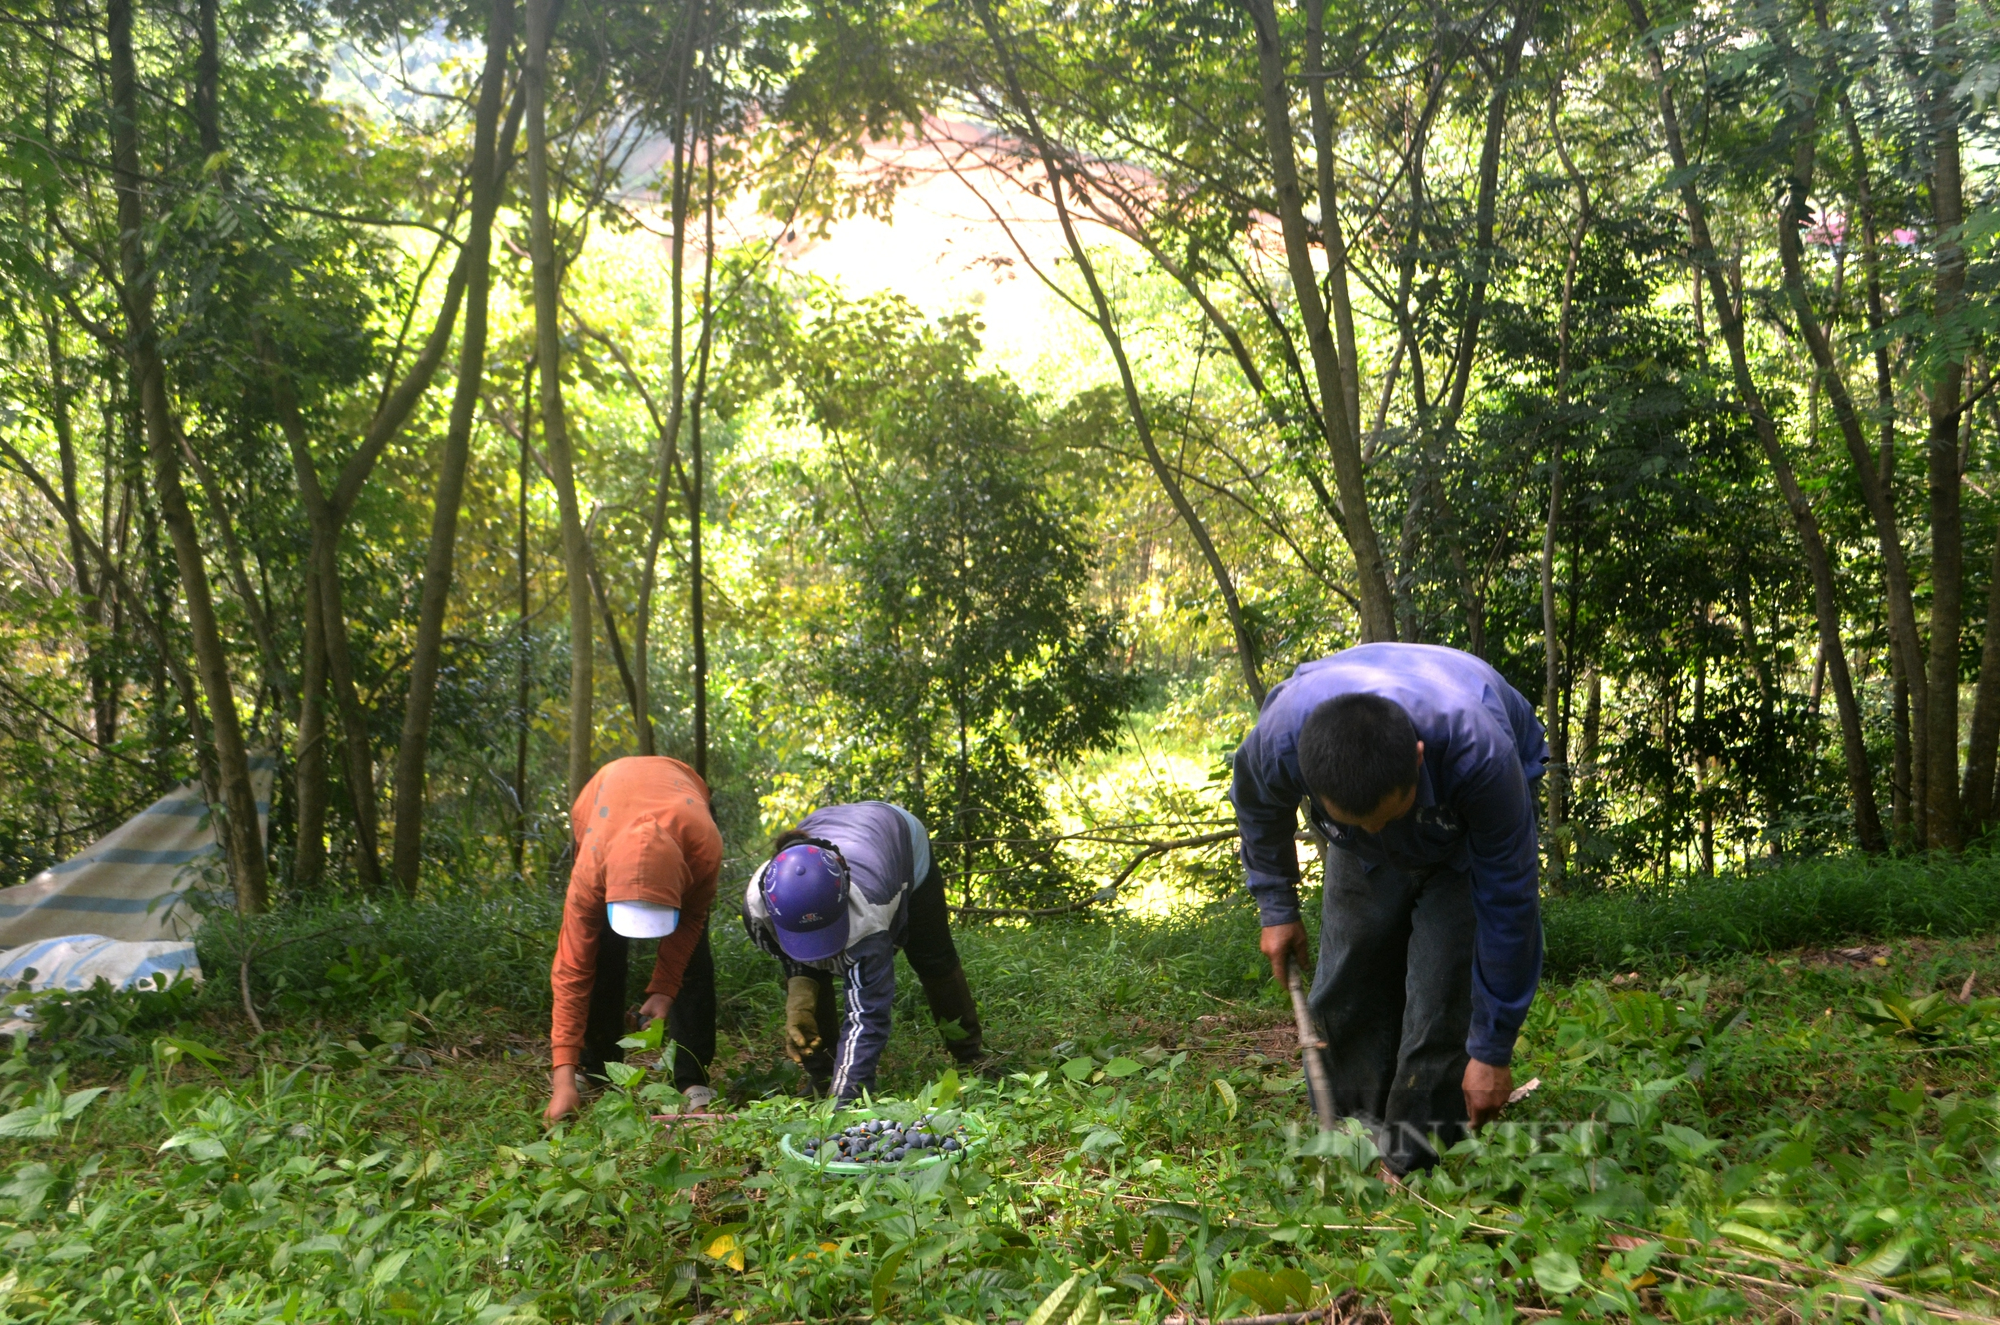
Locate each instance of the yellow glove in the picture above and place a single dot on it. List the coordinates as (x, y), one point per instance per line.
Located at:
(801, 1020)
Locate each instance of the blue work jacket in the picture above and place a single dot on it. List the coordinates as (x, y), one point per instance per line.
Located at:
(1475, 811)
(888, 854)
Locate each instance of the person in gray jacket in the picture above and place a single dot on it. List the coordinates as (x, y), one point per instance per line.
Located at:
(840, 894)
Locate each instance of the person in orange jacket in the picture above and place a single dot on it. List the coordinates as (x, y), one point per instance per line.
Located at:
(647, 859)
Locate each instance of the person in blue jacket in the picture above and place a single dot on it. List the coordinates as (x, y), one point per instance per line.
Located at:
(841, 893)
(1414, 763)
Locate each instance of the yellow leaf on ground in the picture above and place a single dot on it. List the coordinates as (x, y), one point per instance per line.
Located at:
(726, 1250)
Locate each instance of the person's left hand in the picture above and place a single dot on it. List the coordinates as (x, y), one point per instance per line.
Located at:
(1486, 1090)
(655, 1008)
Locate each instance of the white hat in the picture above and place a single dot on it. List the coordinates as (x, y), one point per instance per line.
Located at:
(643, 920)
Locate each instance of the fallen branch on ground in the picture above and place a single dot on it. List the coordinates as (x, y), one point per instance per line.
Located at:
(1108, 891)
(1341, 1311)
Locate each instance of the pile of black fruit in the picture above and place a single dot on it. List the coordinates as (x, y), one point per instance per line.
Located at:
(880, 1141)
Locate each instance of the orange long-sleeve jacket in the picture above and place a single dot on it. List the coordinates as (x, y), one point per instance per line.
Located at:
(644, 832)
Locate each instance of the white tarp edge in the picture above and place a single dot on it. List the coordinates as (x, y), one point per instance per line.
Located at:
(78, 961)
(133, 882)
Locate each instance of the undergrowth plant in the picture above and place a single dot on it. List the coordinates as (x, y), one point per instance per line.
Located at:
(1759, 1138)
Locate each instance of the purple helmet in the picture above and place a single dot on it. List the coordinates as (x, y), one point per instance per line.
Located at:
(805, 891)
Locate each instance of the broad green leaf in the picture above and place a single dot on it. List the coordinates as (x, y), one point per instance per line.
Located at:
(1260, 1288)
(1686, 1143)
(1614, 1200)
(1557, 1273)
(652, 1037)
(1228, 1093)
(199, 1144)
(1790, 1157)
(171, 1047)
(388, 1268)
(78, 1100)
(1764, 1212)
(1747, 1236)
(1119, 1068)
(1886, 1260)
(1101, 1138)
(1297, 1284)
(1076, 1069)
(33, 1121)
(884, 1278)
(1071, 1304)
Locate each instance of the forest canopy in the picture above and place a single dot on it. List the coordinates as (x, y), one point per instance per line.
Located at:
(446, 400)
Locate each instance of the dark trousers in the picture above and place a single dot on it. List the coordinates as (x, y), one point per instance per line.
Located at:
(690, 1021)
(927, 946)
(927, 942)
(1393, 997)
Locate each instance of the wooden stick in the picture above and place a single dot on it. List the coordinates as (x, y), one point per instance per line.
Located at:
(1284, 1318)
(1309, 1045)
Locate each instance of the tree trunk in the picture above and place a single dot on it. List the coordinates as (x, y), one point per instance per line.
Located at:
(1699, 749)
(238, 567)
(435, 593)
(1875, 494)
(1313, 66)
(522, 643)
(1985, 742)
(1482, 252)
(680, 190)
(1378, 614)
(1593, 725)
(309, 751)
(697, 480)
(207, 79)
(1558, 774)
(1907, 825)
(555, 427)
(325, 571)
(240, 835)
(1907, 669)
(1729, 324)
(103, 703)
(1945, 832)
(1060, 184)
(611, 636)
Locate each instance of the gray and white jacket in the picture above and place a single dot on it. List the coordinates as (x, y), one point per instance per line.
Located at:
(888, 853)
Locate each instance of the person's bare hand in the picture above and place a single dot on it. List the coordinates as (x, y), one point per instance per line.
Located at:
(655, 1008)
(563, 1095)
(1282, 943)
(1486, 1090)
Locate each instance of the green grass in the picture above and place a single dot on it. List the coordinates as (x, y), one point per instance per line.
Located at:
(1736, 1139)
(1791, 905)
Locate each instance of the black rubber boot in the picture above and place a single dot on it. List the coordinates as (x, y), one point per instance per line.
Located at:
(950, 999)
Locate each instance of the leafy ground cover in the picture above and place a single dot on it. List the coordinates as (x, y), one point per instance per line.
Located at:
(1793, 904)
(1805, 1134)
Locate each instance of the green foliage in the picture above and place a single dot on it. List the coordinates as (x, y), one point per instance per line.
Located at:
(1146, 1156)
(967, 653)
(101, 1021)
(1788, 905)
